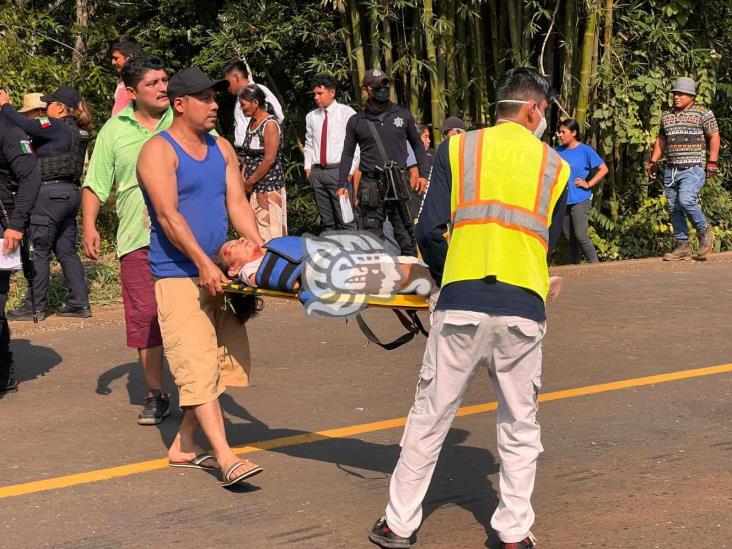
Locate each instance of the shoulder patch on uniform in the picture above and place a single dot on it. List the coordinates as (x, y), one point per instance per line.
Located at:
(26, 147)
(45, 122)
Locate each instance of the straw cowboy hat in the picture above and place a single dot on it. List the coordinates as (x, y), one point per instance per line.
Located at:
(32, 101)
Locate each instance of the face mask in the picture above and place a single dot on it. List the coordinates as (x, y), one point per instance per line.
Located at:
(381, 95)
(541, 128)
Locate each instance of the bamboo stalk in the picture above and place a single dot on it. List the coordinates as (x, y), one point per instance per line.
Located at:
(588, 43)
(450, 54)
(341, 8)
(570, 30)
(514, 27)
(357, 41)
(435, 91)
(387, 50)
(415, 81)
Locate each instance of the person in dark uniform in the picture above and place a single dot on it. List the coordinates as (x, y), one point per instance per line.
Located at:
(395, 126)
(20, 181)
(60, 141)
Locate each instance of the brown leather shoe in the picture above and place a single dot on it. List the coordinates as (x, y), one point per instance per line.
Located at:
(680, 253)
(706, 241)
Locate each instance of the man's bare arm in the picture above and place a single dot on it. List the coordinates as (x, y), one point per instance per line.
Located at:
(90, 206)
(240, 211)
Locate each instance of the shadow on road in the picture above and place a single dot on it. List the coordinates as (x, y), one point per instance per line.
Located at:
(461, 476)
(31, 361)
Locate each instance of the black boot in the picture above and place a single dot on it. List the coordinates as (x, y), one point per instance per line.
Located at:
(8, 383)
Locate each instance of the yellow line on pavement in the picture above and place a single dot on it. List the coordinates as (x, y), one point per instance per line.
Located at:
(342, 432)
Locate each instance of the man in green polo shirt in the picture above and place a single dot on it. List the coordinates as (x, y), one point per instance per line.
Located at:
(112, 167)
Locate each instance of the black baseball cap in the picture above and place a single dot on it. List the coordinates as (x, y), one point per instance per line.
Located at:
(453, 123)
(374, 78)
(191, 81)
(66, 95)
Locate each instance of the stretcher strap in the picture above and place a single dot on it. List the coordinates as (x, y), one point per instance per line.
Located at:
(409, 319)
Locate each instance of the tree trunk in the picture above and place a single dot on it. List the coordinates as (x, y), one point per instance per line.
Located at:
(588, 43)
(514, 27)
(435, 90)
(450, 54)
(82, 18)
(415, 81)
(479, 74)
(357, 41)
(375, 38)
(462, 65)
(570, 39)
(388, 55)
(495, 44)
(340, 6)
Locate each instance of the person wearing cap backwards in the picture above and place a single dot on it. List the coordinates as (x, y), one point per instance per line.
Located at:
(192, 185)
(502, 192)
(60, 141)
(395, 127)
(684, 134)
(20, 182)
(112, 171)
(452, 126)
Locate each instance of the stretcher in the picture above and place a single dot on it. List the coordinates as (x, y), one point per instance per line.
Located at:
(404, 306)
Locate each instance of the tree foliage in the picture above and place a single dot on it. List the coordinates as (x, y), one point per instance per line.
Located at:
(612, 64)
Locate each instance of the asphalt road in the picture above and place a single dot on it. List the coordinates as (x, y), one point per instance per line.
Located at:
(638, 464)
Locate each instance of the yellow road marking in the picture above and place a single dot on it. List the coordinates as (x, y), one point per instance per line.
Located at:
(342, 432)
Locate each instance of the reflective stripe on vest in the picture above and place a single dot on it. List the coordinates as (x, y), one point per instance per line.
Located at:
(471, 210)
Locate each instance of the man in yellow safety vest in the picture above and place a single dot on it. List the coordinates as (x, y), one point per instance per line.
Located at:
(501, 193)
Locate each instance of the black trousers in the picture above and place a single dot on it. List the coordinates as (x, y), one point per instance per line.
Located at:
(53, 231)
(373, 212)
(5, 355)
(325, 184)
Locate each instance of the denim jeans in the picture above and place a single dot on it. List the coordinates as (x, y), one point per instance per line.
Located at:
(682, 188)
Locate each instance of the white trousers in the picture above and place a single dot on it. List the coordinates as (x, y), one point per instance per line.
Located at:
(459, 343)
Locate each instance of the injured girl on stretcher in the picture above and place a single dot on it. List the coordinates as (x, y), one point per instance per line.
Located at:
(285, 260)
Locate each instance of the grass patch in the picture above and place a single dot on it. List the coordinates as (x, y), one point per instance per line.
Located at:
(102, 277)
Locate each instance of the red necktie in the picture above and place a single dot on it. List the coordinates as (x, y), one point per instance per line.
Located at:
(324, 141)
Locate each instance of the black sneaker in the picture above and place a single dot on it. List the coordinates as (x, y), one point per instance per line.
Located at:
(157, 408)
(8, 382)
(77, 312)
(24, 313)
(382, 536)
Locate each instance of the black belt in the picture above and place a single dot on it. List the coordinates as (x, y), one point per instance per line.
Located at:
(326, 167)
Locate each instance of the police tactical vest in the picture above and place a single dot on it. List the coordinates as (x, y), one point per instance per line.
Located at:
(69, 165)
(505, 185)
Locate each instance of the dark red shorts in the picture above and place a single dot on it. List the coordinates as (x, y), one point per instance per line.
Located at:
(138, 296)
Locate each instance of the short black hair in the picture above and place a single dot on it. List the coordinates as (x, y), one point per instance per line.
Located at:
(572, 125)
(136, 68)
(127, 47)
(421, 128)
(236, 65)
(521, 84)
(325, 80)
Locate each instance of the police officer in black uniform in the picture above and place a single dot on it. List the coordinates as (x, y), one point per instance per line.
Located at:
(60, 141)
(395, 126)
(20, 181)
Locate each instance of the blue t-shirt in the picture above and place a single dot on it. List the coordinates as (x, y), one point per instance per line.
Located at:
(582, 159)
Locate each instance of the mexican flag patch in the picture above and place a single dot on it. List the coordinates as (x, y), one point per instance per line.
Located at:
(25, 147)
(45, 122)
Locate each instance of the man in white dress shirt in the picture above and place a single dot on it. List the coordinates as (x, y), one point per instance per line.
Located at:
(325, 131)
(237, 73)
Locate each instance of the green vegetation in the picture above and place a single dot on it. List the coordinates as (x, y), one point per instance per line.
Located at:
(612, 62)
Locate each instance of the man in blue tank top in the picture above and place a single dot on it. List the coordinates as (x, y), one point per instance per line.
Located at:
(192, 186)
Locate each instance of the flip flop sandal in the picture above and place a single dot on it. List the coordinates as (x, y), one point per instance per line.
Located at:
(197, 463)
(229, 481)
